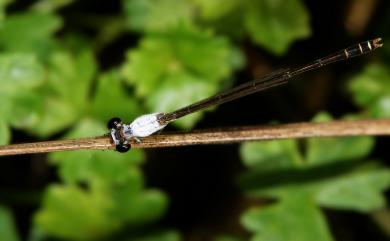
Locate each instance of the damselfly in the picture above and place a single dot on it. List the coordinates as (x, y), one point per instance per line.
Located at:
(145, 125)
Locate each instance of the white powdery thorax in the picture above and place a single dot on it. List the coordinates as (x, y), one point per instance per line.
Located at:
(146, 125)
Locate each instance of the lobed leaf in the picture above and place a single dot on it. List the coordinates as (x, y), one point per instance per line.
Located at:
(327, 150)
(271, 155)
(212, 10)
(342, 149)
(178, 91)
(107, 174)
(359, 191)
(157, 15)
(20, 74)
(112, 100)
(27, 108)
(165, 65)
(140, 208)
(20, 71)
(275, 25)
(294, 218)
(30, 32)
(66, 93)
(88, 210)
(371, 90)
(331, 167)
(50, 5)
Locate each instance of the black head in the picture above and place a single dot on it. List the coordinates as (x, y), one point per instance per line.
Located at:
(123, 148)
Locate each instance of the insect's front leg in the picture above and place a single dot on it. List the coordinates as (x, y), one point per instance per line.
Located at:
(137, 140)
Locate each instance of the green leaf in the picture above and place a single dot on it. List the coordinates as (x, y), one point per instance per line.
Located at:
(271, 155)
(88, 165)
(58, 115)
(139, 208)
(114, 176)
(322, 175)
(225, 22)
(342, 149)
(66, 95)
(19, 71)
(70, 212)
(275, 25)
(217, 8)
(183, 51)
(380, 108)
(19, 75)
(295, 218)
(112, 100)
(157, 15)
(30, 32)
(371, 90)
(360, 191)
(350, 186)
(190, 90)
(370, 85)
(71, 75)
(4, 133)
(164, 65)
(26, 109)
(8, 230)
(50, 5)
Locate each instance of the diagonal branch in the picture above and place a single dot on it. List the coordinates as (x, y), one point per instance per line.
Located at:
(215, 136)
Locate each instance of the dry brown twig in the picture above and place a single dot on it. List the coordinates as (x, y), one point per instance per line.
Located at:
(215, 136)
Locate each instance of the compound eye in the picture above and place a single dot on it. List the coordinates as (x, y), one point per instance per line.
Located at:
(123, 148)
(113, 123)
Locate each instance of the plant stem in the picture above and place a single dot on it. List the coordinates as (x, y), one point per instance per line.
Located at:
(215, 136)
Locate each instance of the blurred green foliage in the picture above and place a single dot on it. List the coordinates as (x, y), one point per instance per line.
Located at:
(30, 32)
(371, 90)
(157, 16)
(52, 84)
(20, 74)
(303, 182)
(188, 65)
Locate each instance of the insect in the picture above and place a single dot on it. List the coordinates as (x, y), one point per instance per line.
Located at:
(145, 125)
